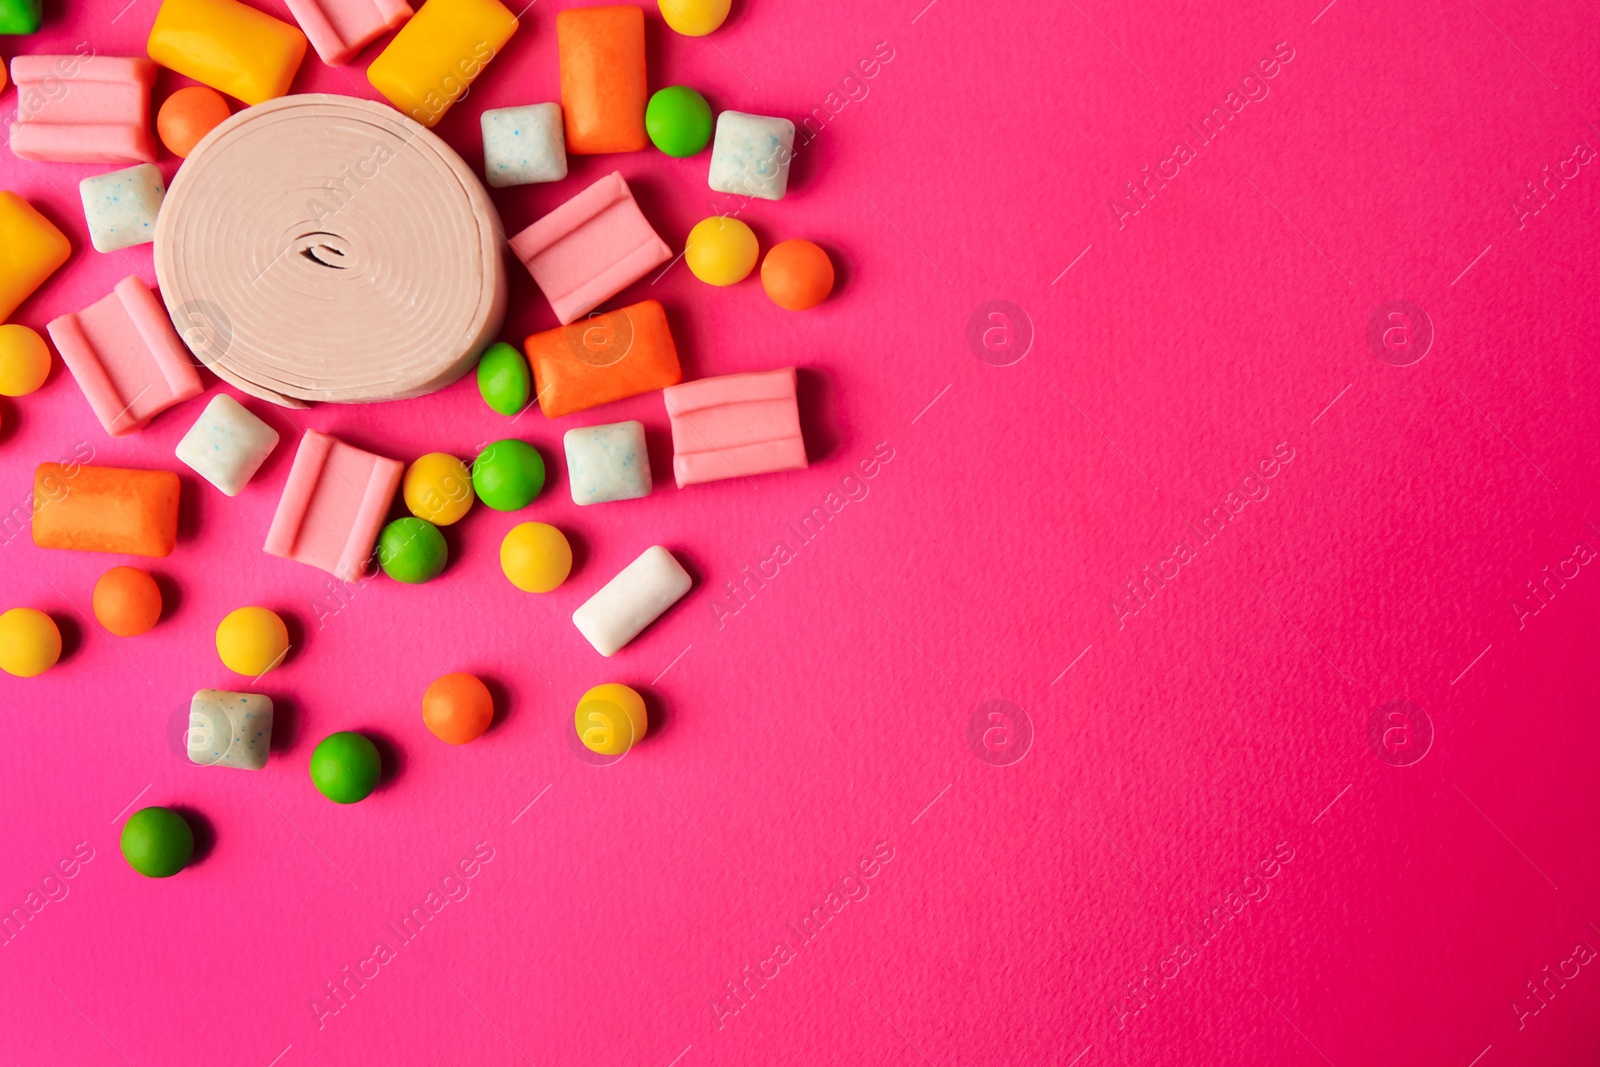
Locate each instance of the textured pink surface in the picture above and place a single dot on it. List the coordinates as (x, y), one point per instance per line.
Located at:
(1205, 749)
(590, 249)
(735, 425)
(126, 357)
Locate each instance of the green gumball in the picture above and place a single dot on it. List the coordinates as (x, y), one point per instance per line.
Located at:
(345, 767)
(157, 842)
(412, 550)
(504, 379)
(678, 120)
(508, 475)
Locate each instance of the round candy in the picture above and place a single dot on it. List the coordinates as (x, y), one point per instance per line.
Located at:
(797, 274)
(457, 708)
(721, 250)
(412, 551)
(678, 120)
(536, 557)
(30, 643)
(438, 488)
(694, 18)
(187, 116)
(24, 360)
(157, 842)
(252, 641)
(611, 719)
(508, 475)
(127, 601)
(345, 767)
(504, 379)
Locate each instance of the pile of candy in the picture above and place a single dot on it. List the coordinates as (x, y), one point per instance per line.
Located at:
(134, 358)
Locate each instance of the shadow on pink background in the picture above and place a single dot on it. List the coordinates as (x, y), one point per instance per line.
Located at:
(1066, 733)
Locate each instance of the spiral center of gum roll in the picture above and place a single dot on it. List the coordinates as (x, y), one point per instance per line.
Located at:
(325, 248)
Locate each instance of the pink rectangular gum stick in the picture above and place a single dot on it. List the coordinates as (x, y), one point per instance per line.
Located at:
(333, 506)
(126, 357)
(83, 109)
(735, 425)
(338, 29)
(590, 249)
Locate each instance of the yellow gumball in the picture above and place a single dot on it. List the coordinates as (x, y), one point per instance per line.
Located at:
(252, 641)
(438, 488)
(721, 250)
(536, 557)
(611, 719)
(24, 360)
(30, 644)
(694, 18)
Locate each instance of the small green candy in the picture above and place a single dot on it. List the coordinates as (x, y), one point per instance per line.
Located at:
(508, 475)
(345, 767)
(157, 842)
(412, 551)
(20, 16)
(503, 379)
(678, 120)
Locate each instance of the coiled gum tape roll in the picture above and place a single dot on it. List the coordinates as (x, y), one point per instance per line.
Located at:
(325, 248)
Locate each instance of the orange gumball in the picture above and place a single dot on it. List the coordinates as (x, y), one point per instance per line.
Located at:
(187, 116)
(127, 601)
(797, 274)
(457, 708)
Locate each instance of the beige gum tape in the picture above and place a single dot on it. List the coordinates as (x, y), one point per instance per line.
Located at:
(326, 248)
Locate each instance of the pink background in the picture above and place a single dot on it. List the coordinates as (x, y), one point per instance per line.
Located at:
(1224, 723)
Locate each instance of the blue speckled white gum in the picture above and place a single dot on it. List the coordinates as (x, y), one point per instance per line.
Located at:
(227, 444)
(750, 156)
(230, 729)
(121, 207)
(524, 145)
(606, 463)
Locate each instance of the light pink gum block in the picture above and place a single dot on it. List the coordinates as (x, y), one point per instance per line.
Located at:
(333, 506)
(83, 109)
(338, 29)
(590, 249)
(126, 357)
(735, 425)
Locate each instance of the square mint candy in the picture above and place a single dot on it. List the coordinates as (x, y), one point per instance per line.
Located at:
(229, 729)
(121, 207)
(751, 154)
(227, 444)
(524, 145)
(606, 463)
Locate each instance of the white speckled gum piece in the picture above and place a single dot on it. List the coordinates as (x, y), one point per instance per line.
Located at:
(230, 729)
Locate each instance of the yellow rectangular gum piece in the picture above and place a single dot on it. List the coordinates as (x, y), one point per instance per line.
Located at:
(435, 57)
(31, 249)
(229, 46)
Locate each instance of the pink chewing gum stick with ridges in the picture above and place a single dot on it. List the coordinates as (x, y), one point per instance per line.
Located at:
(333, 506)
(83, 109)
(590, 249)
(338, 29)
(735, 425)
(126, 357)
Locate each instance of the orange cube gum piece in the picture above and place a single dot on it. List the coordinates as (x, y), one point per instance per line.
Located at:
(31, 249)
(604, 358)
(229, 46)
(105, 509)
(603, 88)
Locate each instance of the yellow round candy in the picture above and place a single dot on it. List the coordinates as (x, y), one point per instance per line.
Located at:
(611, 719)
(30, 644)
(252, 641)
(536, 557)
(694, 18)
(438, 488)
(24, 360)
(721, 250)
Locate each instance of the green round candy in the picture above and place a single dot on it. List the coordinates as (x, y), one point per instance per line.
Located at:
(157, 842)
(345, 767)
(508, 475)
(678, 120)
(503, 379)
(412, 550)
